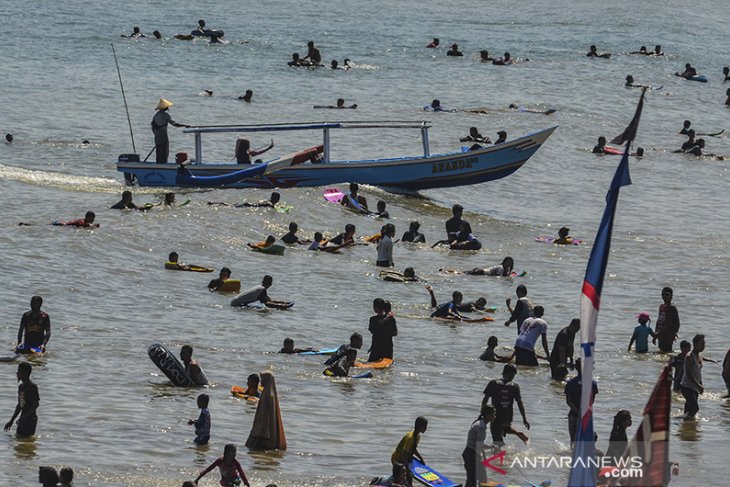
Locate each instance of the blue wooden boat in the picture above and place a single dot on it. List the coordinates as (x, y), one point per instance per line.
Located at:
(415, 173)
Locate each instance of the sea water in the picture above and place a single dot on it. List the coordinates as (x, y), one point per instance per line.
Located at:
(109, 413)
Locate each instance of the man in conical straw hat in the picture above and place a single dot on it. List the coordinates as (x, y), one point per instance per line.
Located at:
(159, 128)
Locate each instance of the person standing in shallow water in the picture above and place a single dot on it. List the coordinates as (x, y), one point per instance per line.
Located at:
(691, 384)
(667, 323)
(267, 430)
(28, 401)
(159, 128)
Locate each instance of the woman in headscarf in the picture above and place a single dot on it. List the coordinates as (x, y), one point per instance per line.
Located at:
(267, 431)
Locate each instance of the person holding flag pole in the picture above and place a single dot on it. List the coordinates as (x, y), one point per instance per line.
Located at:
(583, 466)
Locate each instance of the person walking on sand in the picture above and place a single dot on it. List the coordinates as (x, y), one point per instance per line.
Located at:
(159, 128)
(267, 430)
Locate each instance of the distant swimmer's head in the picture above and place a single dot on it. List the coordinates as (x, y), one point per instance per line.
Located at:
(186, 353)
(201, 23)
(502, 134)
(173, 257)
(657, 49)
(163, 104)
(275, 197)
(346, 62)
(593, 48)
(639, 152)
(381, 206)
(267, 281)
(507, 56)
(247, 96)
(484, 54)
(457, 297)
(353, 186)
(435, 103)
(509, 372)
(508, 263)
(480, 303)
(538, 311)
(126, 197)
(492, 341)
(340, 102)
(89, 217)
(629, 80)
(726, 70)
(687, 123)
(457, 210)
(701, 143)
(521, 290)
(253, 380)
(293, 227)
(436, 41)
(334, 64)
(414, 226)
(135, 30)
(563, 232)
(688, 66)
(601, 140)
(642, 49)
(157, 34)
(288, 345)
(36, 302)
(685, 346)
(318, 237)
(514, 106)
(85, 142)
(409, 272)
(270, 240)
(295, 56)
(356, 340)
(225, 273)
(203, 401)
(9, 138)
(691, 133)
(208, 92)
(378, 305)
(350, 229)
(169, 199)
(454, 47)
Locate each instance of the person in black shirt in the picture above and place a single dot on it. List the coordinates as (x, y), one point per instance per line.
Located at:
(453, 224)
(35, 326)
(355, 343)
(618, 440)
(125, 203)
(223, 276)
(413, 235)
(28, 400)
(503, 393)
(291, 237)
(561, 356)
(345, 239)
(383, 328)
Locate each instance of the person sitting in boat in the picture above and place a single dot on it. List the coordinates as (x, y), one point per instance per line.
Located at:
(354, 200)
(246, 96)
(475, 136)
(685, 127)
(313, 55)
(484, 56)
(505, 60)
(454, 51)
(345, 239)
(564, 237)
(86, 222)
(159, 123)
(690, 142)
(270, 240)
(291, 236)
(504, 269)
(126, 202)
(688, 73)
(642, 50)
(465, 240)
(434, 43)
(413, 235)
(382, 212)
(600, 148)
(502, 137)
(223, 276)
(594, 53)
(244, 151)
(657, 51)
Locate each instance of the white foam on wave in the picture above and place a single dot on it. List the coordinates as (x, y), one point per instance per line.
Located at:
(68, 182)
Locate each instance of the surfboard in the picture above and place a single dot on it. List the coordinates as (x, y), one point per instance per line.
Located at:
(549, 240)
(168, 363)
(428, 476)
(700, 77)
(366, 375)
(383, 363)
(240, 392)
(334, 195)
(275, 249)
(713, 134)
(172, 266)
(230, 286)
(326, 351)
(284, 208)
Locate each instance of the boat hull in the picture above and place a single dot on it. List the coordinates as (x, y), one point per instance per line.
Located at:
(410, 173)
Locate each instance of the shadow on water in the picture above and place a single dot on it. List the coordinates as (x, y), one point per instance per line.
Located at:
(688, 430)
(266, 460)
(25, 448)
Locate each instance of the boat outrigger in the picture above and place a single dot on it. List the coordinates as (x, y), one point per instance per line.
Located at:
(428, 171)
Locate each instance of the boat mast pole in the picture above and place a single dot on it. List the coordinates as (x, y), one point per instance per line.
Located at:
(126, 108)
(198, 148)
(326, 144)
(424, 139)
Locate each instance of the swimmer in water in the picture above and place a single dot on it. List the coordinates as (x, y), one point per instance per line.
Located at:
(594, 53)
(447, 310)
(169, 199)
(685, 127)
(642, 50)
(563, 237)
(296, 62)
(288, 348)
(346, 64)
(727, 102)
(247, 96)
(270, 240)
(334, 64)
(600, 148)
(86, 222)
(223, 276)
(244, 152)
(413, 235)
(484, 56)
(345, 239)
(657, 51)
(629, 82)
(157, 35)
(192, 368)
(505, 60)
(454, 51)
(354, 200)
(690, 142)
(125, 203)
(252, 386)
(291, 236)
(270, 203)
(201, 26)
(465, 240)
(173, 263)
(726, 74)
(504, 269)
(688, 73)
(8, 138)
(136, 34)
(435, 106)
(408, 275)
(313, 55)
(434, 43)
(381, 211)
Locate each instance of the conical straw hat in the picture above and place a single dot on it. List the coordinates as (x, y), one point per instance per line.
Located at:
(162, 104)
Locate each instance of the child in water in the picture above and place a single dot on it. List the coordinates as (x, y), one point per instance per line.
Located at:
(252, 386)
(202, 424)
(231, 471)
(488, 354)
(270, 240)
(564, 237)
(289, 347)
(341, 368)
(641, 334)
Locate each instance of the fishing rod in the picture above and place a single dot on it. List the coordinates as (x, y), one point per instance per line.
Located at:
(126, 108)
